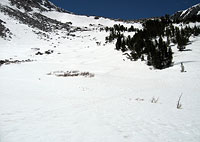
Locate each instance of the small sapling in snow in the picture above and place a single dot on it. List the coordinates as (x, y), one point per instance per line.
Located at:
(154, 100)
(179, 105)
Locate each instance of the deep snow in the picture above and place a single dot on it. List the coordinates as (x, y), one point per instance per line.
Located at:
(113, 106)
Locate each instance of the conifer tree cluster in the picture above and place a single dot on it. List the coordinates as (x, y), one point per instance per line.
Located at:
(116, 30)
(152, 43)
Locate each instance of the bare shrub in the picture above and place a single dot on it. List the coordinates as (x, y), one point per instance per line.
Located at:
(71, 74)
(154, 100)
(179, 105)
(139, 99)
(7, 62)
(96, 17)
(182, 68)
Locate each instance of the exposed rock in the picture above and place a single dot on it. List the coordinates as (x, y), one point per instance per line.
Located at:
(189, 15)
(38, 53)
(48, 52)
(35, 20)
(4, 32)
(42, 5)
(7, 62)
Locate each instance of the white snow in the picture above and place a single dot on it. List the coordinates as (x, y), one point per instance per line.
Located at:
(183, 12)
(113, 106)
(187, 11)
(5, 2)
(84, 21)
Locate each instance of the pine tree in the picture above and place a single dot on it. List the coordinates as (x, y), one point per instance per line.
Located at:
(118, 43)
(123, 47)
(169, 57)
(149, 60)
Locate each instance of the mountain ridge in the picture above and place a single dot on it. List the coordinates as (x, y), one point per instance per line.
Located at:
(28, 5)
(190, 14)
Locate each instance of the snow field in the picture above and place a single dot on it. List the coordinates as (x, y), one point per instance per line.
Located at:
(113, 106)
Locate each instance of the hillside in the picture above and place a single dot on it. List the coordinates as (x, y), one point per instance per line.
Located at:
(61, 81)
(190, 14)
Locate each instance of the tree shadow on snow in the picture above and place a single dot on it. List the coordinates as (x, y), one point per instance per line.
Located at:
(184, 62)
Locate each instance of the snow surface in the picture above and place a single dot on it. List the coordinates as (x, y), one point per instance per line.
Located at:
(183, 12)
(113, 106)
(5, 2)
(188, 11)
(81, 20)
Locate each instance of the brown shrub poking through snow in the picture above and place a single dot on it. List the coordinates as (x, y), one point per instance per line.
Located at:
(71, 74)
(7, 62)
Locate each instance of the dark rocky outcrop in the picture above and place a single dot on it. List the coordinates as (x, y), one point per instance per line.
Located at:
(4, 32)
(189, 15)
(35, 20)
(7, 62)
(28, 5)
(26, 14)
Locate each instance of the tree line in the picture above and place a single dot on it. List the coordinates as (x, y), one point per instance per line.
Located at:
(153, 42)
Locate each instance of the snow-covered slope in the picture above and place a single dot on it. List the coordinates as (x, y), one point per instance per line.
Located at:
(192, 12)
(113, 106)
(29, 5)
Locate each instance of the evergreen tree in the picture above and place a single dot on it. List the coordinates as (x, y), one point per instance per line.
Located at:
(118, 43)
(123, 47)
(169, 57)
(181, 39)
